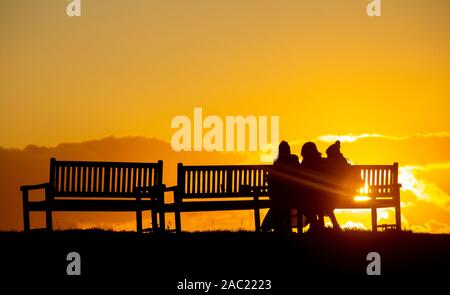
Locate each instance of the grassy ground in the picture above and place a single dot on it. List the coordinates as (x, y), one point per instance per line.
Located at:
(163, 260)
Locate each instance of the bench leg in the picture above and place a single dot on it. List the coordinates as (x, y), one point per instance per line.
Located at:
(138, 215)
(139, 221)
(162, 218)
(177, 221)
(49, 219)
(257, 221)
(154, 220)
(398, 218)
(26, 212)
(257, 215)
(48, 212)
(299, 222)
(374, 219)
(26, 220)
(162, 221)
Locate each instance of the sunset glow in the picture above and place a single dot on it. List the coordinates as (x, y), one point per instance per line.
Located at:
(107, 85)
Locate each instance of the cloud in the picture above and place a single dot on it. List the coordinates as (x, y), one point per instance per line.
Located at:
(424, 190)
(354, 137)
(354, 225)
(429, 167)
(431, 226)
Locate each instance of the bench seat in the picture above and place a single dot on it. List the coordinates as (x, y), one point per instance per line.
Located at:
(93, 205)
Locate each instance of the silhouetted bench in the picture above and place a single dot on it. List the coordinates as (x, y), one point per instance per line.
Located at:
(245, 187)
(99, 186)
(382, 190)
(203, 188)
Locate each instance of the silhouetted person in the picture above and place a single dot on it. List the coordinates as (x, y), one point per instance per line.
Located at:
(281, 183)
(335, 156)
(310, 185)
(343, 179)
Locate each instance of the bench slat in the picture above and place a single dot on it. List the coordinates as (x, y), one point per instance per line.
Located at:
(82, 178)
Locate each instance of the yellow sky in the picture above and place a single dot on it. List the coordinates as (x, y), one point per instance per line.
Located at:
(128, 67)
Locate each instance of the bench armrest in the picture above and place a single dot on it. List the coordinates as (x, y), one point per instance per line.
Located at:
(26, 188)
(171, 188)
(154, 189)
(145, 190)
(34, 186)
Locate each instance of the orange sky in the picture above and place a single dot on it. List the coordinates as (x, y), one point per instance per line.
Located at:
(128, 67)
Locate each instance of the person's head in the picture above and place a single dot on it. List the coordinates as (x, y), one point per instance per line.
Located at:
(310, 151)
(284, 150)
(334, 150)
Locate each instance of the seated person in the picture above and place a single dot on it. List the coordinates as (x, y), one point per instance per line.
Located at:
(344, 180)
(281, 190)
(313, 188)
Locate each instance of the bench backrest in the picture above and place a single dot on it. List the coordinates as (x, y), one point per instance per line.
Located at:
(380, 181)
(221, 181)
(102, 179)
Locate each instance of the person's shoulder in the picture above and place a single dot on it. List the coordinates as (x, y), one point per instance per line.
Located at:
(294, 159)
(323, 163)
(278, 164)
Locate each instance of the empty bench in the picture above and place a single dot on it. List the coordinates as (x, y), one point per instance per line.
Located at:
(245, 187)
(99, 186)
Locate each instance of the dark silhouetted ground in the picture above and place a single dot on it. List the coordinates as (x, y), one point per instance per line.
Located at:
(160, 261)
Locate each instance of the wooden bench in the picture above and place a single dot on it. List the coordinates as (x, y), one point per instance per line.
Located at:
(382, 190)
(201, 188)
(99, 186)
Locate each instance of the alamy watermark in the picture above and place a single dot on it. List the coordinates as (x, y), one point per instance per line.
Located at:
(374, 267)
(74, 266)
(73, 8)
(374, 8)
(212, 133)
